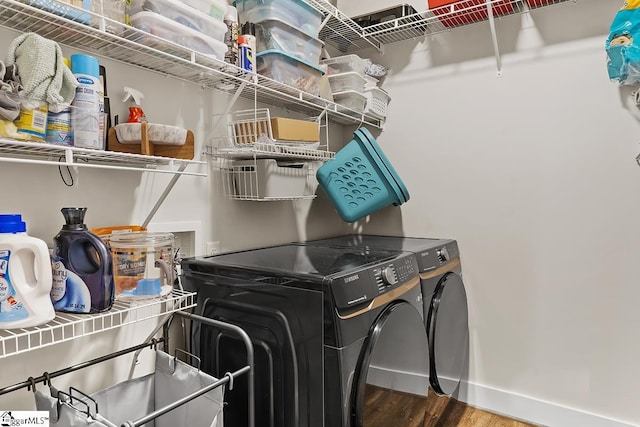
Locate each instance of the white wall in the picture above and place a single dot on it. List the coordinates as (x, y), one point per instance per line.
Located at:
(534, 173)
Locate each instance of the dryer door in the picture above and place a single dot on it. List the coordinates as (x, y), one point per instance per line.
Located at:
(393, 362)
(448, 330)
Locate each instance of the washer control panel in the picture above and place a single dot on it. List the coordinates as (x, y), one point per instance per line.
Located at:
(435, 257)
(395, 273)
(360, 287)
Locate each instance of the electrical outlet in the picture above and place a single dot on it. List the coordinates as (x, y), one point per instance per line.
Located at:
(213, 248)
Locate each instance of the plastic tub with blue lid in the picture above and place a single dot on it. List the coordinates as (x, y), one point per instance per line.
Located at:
(288, 70)
(296, 13)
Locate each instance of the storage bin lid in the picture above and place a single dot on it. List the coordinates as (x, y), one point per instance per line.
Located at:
(275, 22)
(288, 57)
(239, 4)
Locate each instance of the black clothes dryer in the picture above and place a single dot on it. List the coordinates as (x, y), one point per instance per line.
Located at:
(445, 300)
(333, 330)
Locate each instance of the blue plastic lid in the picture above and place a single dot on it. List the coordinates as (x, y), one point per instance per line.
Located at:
(289, 57)
(85, 64)
(304, 4)
(380, 159)
(12, 223)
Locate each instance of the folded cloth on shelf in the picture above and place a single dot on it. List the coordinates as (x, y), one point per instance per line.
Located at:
(9, 88)
(42, 71)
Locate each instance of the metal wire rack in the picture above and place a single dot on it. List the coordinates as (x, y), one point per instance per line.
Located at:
(268, 180)
(447, 17)
(68, 326)
(40, 153)
(117, 41)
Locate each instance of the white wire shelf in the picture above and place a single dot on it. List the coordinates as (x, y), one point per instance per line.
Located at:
(250, 135)
(447, 17)
(69, 326)
(134, 47)
(14, 151)
(270, 151)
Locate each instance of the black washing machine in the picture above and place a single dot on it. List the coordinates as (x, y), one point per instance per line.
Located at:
(324, 322)
(445, 300)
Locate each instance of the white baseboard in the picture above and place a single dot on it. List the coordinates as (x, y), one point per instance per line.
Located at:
(530, 409)
(503, 402)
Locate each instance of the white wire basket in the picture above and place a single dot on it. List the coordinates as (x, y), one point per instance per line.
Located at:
(377, 102)
(269, 179)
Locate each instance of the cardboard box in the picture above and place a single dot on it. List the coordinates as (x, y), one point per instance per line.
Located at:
(284, 129)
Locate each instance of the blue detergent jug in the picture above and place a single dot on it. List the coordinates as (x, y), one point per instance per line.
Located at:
(82, 268)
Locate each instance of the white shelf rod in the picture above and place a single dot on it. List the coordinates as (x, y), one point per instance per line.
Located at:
(494, 37)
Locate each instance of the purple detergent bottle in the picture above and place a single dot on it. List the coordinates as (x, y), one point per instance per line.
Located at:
(82, 267)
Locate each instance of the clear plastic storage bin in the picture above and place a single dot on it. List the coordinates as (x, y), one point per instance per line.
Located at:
(276, 34)
(169, 30)
(344, 64)
(350, 99)
(214, 8)
(184, 15)
(297, 13)
(290, 71)
(346, 81)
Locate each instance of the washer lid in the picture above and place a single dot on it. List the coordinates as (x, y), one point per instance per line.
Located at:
(299, 260)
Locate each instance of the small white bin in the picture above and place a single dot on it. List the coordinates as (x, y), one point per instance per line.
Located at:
(345, 63)
(271, 179)
(350, 80)
(377, 102)
(351, 100)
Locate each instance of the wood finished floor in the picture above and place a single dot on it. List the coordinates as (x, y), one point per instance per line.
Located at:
(387, 408)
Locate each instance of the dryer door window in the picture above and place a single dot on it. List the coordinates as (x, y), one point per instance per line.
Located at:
(393, 363)
(448, 330)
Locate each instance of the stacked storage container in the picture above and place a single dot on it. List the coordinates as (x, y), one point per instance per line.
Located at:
(288, 48)
(347, 80)
(194, 24)
(377, 99)
(353, 88)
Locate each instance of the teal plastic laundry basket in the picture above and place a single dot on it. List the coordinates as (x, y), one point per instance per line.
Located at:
(360, 180)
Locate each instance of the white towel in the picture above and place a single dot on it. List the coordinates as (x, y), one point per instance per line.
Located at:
(42, 71)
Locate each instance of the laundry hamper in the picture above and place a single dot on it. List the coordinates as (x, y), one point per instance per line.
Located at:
(138, 397)
(360, 180)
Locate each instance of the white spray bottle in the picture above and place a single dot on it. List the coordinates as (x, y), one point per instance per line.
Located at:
(136, 115)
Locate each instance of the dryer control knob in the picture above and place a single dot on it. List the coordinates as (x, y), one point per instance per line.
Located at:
(443, 254)
(389, 275)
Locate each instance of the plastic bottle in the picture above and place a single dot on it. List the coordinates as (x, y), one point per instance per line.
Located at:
(25, 276)
(136, 115)
(249, 33)
(245, 54)
(82, 267)
(59, 129)
(231, 36)
(86, 111)
(33, 120)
